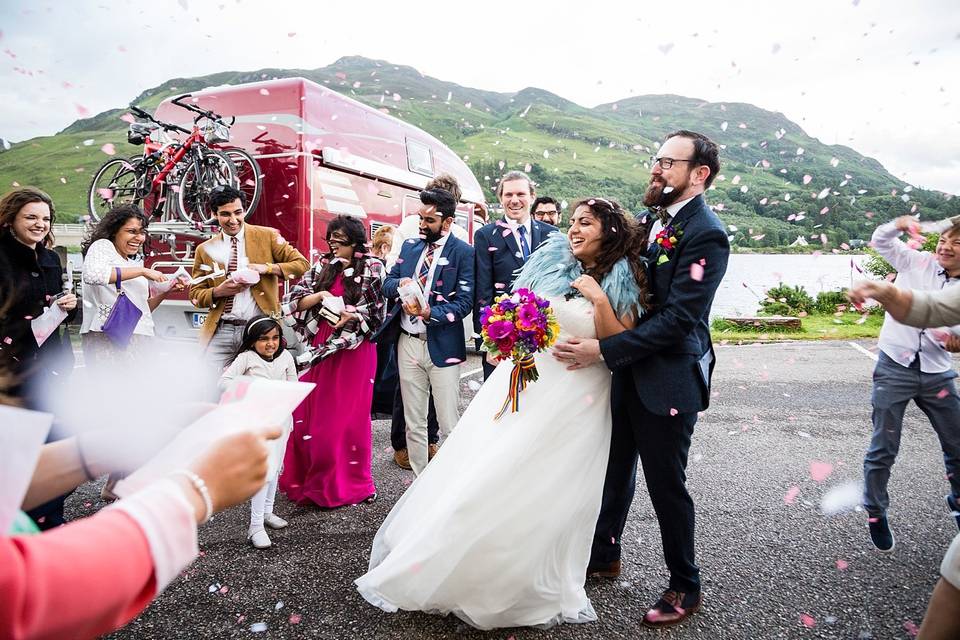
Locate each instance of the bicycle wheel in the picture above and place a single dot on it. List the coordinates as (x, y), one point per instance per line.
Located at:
(117, 181)
(202, 174)
(249, 176)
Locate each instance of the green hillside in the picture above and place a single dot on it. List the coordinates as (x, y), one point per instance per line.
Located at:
(777, 183)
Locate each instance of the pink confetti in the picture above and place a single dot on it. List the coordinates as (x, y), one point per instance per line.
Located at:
(295, 618)
(791, 496)
(807, 179)
(264, 92)
(696, 272)
(820, 471)
(943, 393)
(451, 317)
(911, 628)
(81, 110)
(453, 361)
(673, 411)
(108, 149)
(842, 565)
(808, 621)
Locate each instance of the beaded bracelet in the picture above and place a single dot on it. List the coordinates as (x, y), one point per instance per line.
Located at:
(201, 488)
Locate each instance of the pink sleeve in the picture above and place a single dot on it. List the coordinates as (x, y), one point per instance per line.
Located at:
(69, 583)
(94, 575)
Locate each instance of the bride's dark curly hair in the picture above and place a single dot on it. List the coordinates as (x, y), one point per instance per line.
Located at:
(622, 237)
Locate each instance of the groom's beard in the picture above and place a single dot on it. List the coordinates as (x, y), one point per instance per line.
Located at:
(656, 196)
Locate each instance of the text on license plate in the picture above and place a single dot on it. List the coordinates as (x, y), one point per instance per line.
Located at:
(198, 319)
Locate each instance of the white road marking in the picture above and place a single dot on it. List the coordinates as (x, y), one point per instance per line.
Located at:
(865, 352)
(470, 373)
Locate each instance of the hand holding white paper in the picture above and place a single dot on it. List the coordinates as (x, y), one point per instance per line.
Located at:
(250, 405)
(47, 323)
(335, 304)
(412, 295)
(245, 276)
(21, 439)
(180, 275)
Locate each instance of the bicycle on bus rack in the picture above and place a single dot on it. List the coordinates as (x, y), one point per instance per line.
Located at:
(173, 179)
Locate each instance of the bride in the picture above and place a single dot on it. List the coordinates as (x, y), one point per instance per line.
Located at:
(497, 529)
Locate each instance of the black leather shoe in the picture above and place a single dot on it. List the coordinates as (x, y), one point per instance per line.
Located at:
(881, 534)
(672, 608)
(604, 570)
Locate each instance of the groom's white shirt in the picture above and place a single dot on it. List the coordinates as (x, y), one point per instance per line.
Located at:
(671, 211)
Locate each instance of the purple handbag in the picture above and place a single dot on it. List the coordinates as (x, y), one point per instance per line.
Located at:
(123, 318)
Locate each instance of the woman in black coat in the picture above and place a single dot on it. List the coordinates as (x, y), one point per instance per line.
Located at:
(26, 217)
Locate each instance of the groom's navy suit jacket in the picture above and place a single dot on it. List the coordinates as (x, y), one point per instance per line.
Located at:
(450, 298)
(669, 354)
(498, 258)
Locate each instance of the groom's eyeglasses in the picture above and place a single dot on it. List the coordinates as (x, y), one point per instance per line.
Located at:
(665, 163)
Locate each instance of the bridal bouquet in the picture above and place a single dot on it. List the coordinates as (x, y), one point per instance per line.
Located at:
(516, 326)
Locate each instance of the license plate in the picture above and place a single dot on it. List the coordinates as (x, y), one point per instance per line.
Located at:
(198, 319)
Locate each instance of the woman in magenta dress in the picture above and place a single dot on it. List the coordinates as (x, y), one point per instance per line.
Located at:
(328, 456)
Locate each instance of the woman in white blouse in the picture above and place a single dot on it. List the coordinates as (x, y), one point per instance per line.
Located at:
(116, 243)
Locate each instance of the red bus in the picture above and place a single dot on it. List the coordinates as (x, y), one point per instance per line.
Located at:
(321, 154)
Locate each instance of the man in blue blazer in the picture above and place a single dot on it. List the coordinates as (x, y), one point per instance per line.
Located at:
(661, 371)
(430, 336)
(503, 246)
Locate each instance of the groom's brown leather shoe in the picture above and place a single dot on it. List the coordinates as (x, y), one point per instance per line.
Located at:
(604, 570)
(672, 608)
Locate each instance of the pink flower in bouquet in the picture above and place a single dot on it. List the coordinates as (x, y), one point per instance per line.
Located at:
(500, 330)
(529, 315)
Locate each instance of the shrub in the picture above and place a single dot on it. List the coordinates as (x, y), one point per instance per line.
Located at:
(831, 301)
(784, 300)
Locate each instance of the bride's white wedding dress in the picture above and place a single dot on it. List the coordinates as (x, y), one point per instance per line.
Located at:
(498, 528)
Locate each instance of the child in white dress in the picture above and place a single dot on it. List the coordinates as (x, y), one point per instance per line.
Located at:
(263, 354)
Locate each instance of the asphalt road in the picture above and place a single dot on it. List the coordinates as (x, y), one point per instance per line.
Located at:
(772, 567)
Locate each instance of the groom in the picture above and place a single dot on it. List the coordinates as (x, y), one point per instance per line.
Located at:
(661, 371)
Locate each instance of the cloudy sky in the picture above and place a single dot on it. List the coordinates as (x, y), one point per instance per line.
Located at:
(877, 75)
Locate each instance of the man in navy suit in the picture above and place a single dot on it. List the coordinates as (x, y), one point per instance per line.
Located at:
(661, 371)
(430, 342)
(503, 246)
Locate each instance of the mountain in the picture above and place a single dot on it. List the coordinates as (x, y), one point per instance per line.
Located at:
(777, 182)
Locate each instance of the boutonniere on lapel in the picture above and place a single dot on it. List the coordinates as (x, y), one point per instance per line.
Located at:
(667, 240)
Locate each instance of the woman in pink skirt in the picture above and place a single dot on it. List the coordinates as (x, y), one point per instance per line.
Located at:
(338, 305)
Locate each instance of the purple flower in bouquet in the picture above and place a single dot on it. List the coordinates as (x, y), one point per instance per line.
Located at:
(507, 305)
(499, 330)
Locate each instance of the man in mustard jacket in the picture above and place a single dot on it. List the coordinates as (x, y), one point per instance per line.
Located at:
(231, 302)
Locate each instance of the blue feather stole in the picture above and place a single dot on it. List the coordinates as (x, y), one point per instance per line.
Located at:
(551, 268)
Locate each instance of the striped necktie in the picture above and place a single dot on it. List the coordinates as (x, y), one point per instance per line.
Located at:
(425, 267)
(524, 247)
(231, 267)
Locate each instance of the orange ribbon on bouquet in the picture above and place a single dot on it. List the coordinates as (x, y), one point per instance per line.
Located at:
(523, 371)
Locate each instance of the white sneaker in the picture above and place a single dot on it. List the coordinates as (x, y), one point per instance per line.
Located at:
(274, 521)
(259, 539)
